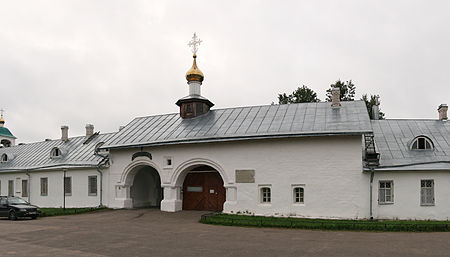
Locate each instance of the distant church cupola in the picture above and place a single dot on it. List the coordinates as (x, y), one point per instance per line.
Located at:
(194, 104)
(7, 139)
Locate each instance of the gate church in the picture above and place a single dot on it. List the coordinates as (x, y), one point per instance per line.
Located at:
(304, 160)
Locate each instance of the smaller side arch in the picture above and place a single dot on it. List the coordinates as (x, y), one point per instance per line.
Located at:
(129, 171)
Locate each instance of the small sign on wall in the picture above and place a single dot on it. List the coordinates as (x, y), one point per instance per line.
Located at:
(245, 176)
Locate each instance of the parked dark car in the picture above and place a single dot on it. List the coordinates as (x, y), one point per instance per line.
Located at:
(15, 207)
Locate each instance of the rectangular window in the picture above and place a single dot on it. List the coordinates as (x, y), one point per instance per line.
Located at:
(44, 186)
(427, 192)
(299, 195)
(10, 187)
(92, 185)
(24, 188)
(265, 195)
(385, 192)
(68, 186)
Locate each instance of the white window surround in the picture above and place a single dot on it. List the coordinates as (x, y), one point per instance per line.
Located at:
(298, 190)
(68, 186)
(265, 194)
(385, 192)
(92, 186)
(168, 162)
(44, 186)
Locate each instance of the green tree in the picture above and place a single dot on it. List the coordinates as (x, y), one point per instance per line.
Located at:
(374, 100)
(347, 90)
(300, 95)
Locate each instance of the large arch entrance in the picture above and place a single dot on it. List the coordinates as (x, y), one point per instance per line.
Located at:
(145, 190)
(203, 189)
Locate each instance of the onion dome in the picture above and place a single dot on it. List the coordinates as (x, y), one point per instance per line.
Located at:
(194, 73)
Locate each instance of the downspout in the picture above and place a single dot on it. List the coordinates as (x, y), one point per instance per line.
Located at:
(64, 189)
(101, 163)
(372, 172)
(29, 185)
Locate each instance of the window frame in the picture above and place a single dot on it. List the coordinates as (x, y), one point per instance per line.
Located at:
(10, 187)
(4, 158)
(422, 196)
(426, 141)
(265, 197)
(90, 193)
(25, 192)
(294, 194)
(44, 192)
(70, 184)
(384, 189)
(55, 153)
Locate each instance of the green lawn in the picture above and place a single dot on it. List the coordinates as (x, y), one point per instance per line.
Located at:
(322, 224)
(46, 212)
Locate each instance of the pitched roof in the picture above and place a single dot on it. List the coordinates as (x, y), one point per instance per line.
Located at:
(6, 133)
(37, 155)
(268, 121)
(393, 139)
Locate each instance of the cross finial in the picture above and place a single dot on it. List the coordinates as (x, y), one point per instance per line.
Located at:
(2, 111)
(194, 43)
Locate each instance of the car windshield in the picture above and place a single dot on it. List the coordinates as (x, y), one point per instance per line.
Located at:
(16, 200)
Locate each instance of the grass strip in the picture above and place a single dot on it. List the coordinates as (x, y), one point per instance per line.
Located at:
(326, 224)
(47, 212)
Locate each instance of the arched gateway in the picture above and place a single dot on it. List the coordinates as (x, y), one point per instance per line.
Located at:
(203, 189)
(144, 185)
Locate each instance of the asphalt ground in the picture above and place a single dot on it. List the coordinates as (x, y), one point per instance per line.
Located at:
(149, 232)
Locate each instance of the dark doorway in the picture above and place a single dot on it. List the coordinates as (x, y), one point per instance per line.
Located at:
(146, 189)
(203, 191)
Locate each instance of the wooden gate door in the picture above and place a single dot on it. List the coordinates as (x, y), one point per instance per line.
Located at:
(203, 191)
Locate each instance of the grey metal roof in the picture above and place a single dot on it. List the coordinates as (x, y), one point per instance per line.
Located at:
(37, 155)
(268, 121)
(393, 140)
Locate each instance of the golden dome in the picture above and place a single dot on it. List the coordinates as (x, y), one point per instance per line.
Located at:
(194, 73)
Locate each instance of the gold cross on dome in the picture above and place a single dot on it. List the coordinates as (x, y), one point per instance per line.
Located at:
(194, 43)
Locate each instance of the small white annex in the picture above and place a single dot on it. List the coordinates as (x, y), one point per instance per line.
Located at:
(318, 160)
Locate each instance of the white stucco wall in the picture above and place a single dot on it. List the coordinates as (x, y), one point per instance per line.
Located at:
(406, 192)
(55, 196)
(330, 168)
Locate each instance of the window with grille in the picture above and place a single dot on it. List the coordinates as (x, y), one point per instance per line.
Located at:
(299, 195)
(44, 186)
(265, 195)
(422, 143)
(68, 186)
(24, 188)
(92, 185)
(427, 192)
(10, 187)
(385, 192)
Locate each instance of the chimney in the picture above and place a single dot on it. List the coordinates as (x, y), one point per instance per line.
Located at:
(376, 110)
(442, 109)
(335, 97)
(89, 130)
(64, 133)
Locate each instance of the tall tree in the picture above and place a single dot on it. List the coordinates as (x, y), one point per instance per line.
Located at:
(347, 90)
(300, 95)
(374, 100)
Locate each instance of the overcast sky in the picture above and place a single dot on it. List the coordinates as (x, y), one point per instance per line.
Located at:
(106, 62)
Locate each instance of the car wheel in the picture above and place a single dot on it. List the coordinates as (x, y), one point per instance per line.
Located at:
(12, 215)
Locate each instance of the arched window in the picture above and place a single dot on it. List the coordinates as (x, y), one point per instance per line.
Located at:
(422, 143)
(55, 153)
(4, 158)
(5, 143)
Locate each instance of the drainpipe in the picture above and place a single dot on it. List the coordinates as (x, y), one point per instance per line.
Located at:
(29, 185)
(102, 162)
(64, 189)
(372, 172)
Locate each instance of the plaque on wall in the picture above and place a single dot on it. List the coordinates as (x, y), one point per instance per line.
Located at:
(245, 176)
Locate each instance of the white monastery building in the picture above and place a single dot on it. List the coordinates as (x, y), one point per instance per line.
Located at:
(318, 160)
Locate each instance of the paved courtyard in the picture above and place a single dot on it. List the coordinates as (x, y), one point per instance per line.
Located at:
(149, 232)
